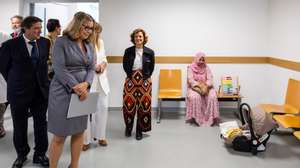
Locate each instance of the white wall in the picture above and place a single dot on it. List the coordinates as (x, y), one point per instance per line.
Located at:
(8, 9)
(284, 40)
(217, 27)
(284, 29)
(176, 27)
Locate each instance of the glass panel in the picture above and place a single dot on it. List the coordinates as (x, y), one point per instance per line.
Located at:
(63, 12)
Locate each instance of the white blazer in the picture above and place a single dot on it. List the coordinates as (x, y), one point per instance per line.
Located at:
(100, 80)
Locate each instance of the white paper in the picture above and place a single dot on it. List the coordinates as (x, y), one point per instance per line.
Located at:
(80, 108)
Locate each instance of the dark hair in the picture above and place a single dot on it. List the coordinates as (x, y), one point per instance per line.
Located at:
(137, 31)
(29, 21)
(52, 24)
(18, 17)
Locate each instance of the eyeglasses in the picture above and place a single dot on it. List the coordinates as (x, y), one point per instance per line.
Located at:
(87, 28)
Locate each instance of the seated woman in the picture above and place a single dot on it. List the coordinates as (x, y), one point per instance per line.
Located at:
(202, 103)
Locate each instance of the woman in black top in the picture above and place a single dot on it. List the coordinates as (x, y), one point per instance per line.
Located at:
(138, 63)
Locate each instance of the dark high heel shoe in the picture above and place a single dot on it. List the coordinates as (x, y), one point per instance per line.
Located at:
(127, 132)
(139, 135)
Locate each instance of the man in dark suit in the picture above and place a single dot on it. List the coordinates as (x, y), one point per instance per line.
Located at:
(24, 67)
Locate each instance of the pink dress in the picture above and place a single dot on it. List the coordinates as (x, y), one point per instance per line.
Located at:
(203, 109)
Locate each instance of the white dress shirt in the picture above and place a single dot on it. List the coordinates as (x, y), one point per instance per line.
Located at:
(138, 61)
(29, 46)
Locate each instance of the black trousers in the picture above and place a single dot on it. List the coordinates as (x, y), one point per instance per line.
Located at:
(38, 107)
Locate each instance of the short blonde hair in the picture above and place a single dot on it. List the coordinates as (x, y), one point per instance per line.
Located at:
(73, 28)
(137, 31)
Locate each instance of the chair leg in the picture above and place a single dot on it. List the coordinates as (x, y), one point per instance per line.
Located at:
(240, 116)
(159, 111)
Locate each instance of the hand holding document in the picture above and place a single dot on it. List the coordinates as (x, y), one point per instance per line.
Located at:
(81, 90)
(80, 108)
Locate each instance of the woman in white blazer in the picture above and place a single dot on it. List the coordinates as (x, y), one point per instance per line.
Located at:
(96, 129)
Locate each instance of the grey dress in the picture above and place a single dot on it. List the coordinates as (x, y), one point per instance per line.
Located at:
(71, 67)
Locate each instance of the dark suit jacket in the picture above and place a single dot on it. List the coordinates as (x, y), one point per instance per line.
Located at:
(148, 61)
(17, 69)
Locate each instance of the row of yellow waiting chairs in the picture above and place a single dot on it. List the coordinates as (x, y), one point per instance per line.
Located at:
(287, 115)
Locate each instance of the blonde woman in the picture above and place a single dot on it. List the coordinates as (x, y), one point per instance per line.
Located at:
(96, 129)
(73, 64)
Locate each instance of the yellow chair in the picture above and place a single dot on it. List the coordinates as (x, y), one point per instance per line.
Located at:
(297, 134)
(169, 88)
(288, 121)
(292, 103)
